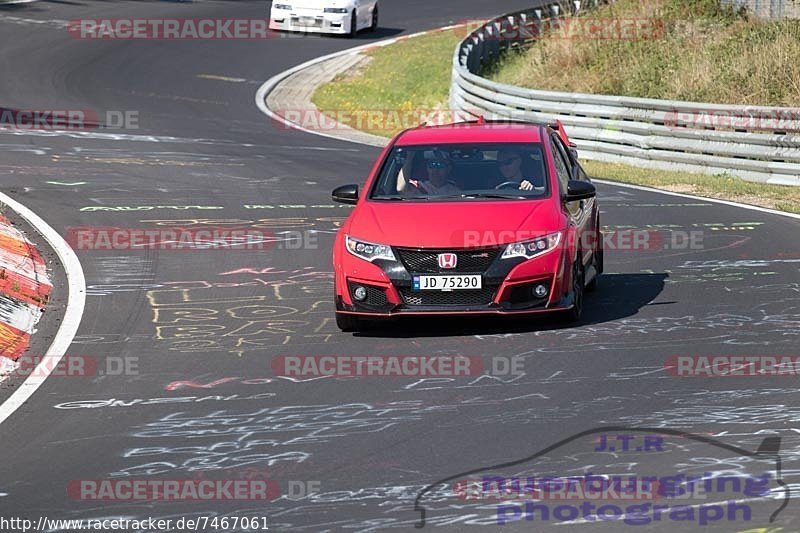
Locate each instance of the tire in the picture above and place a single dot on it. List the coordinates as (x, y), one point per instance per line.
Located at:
(598, 261)
(578, 279)
(598, 265)
(347, 323)
(353, 25)
(374, 25)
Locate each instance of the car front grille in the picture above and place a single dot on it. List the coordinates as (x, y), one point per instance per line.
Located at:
(307, 22)
(375, 296)
(443, 298)
(427, 261)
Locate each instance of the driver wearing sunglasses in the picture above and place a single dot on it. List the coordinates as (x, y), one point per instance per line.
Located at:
(510, 164)
(438, 167)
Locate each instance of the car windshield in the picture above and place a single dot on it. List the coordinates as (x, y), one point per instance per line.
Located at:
(463, 172)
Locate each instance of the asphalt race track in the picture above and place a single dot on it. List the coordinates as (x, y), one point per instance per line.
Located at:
(203, 327)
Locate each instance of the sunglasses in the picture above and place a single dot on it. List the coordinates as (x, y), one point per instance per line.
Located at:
(506, 162)
(437, 164)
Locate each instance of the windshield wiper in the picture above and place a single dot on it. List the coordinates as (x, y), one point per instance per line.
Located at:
(400, 198)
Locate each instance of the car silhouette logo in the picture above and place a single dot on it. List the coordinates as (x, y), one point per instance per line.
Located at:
(448, 260)
(768, 450)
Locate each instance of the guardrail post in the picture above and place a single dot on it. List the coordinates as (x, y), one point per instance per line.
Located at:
(493, 42)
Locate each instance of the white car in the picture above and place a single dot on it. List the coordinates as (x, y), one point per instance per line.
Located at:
(345, 17)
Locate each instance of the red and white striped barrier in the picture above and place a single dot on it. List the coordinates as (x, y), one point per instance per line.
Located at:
(24, 291)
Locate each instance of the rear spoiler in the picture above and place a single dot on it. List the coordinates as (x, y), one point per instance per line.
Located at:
(559, 127)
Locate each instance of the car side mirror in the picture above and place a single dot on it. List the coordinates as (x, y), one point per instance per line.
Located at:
(579, 190)
(346, 194)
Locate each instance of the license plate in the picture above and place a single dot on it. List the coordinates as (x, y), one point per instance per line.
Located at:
(308, 21)
(447, 283)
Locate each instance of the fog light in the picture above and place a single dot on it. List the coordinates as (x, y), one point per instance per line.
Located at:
(360, 293)
(540, 291)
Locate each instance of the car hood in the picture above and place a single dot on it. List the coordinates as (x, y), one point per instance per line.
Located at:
(444, 225)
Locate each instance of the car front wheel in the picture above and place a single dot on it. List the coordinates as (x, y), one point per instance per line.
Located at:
(598, 265)
(353, 25)
(578, 280)
(374, 25)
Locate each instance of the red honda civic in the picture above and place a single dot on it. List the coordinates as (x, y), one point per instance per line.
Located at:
(479, 218)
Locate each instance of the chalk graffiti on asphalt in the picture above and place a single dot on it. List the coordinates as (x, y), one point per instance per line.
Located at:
(200, 319)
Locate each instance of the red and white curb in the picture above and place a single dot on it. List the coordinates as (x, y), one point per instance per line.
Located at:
(26, 291)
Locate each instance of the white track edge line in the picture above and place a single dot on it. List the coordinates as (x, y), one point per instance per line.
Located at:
(73, 313)
(693, 197)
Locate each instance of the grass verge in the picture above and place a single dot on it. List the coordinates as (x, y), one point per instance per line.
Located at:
(780, 197)
(414, 75)
(410, 78)
(695, 50)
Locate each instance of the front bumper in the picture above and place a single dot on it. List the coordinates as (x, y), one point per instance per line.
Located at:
(507, 286)
(564, 305)
(312, 21)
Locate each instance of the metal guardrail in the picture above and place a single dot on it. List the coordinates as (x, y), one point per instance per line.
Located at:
(769, 9)
(750, 142)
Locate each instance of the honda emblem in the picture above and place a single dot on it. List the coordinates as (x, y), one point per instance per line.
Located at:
(448, 260)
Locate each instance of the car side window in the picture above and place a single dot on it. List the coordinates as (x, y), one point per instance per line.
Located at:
(562, 149)
(580, 174)
(575, 168)
(562, 167)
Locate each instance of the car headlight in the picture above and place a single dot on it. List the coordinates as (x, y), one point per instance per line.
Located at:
(287, 7)
(341, 10)
(534, 247)
(367, 250)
